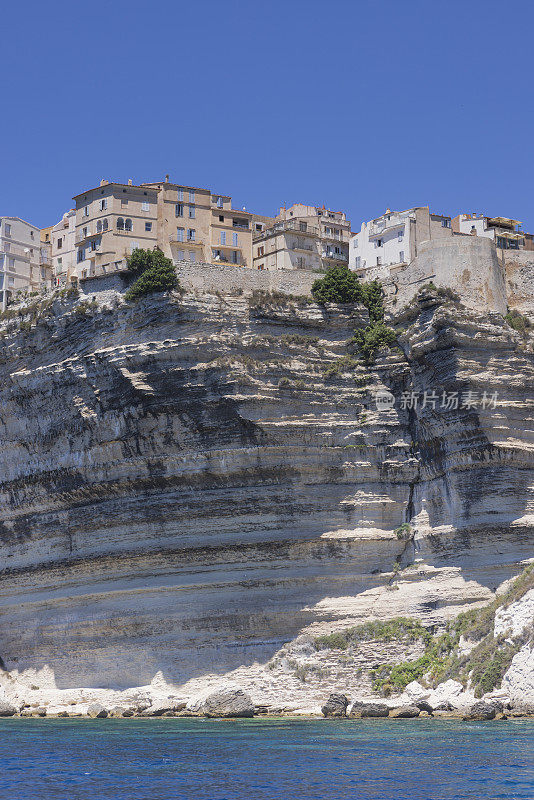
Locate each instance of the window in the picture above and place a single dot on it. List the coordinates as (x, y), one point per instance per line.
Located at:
(105, 225)
(190, 234)
(261, 266)
(180, 194)
(103, 204)
(400, 235)
(355, 244)
(84, 273)
(192, 212)
(234, 239)
(7, 247)
(128, 225)
(223, 237)
(180, 234)
(303, 226)
(98, 226)
(11, 281)
(358, 262)
(80, 255)
(86, 211)
(378, 243)
(261, 251)
(219, 202)
(148, 227)
(191, 195)
(445, 223)
(327, 231)
(378, 261)
(234, 256)
(300, 261)
(259, 227)
(179, 210)
(401, 256)
(181, 255)
(11, 263)
(60, 263)
(85, 232)
(60, 243)
(31, 234)
(145, 206)
(192, 257)
(120, 224)
(124, 202)
(7, 229)
(221, 218)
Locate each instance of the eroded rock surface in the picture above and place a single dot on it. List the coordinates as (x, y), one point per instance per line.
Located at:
(183, 488)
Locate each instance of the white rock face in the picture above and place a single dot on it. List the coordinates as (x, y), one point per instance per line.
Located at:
(516, 618)
(518, 681)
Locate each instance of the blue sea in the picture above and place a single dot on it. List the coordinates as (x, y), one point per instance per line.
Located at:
(196, 759)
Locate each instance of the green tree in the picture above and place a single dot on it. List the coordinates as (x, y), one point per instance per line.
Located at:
(339, 285)
(373, 299)
(156, 273)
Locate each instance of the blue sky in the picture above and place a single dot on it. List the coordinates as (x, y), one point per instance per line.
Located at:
(355, 104)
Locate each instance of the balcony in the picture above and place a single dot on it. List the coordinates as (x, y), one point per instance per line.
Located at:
(82, 237)
(241, 226)
(331, 256)
(293, 225)
(173, 239)
(383, 225)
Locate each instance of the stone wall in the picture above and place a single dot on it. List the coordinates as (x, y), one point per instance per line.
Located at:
(225, 278)
(519, 273)
(466, 264)
(230, 278)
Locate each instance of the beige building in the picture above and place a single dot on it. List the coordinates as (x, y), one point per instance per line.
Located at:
(58, 242)
(185, 222)
(303, 237)
(198, 225)
(111, 221)
(23, 267)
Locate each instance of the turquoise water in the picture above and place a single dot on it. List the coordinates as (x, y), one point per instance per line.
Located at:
(195, 759)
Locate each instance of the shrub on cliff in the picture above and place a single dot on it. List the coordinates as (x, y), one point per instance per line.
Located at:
(372, 338)
(339, 285)
(157, 273)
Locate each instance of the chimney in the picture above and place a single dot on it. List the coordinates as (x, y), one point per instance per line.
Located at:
(104, 182)
(166, 178)
(130, 182)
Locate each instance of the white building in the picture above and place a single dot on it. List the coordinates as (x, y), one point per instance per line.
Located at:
(63, 241)
(20, 258)
(505, 232)
(392, 239)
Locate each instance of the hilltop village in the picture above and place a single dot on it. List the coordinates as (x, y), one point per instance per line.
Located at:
(489, 260)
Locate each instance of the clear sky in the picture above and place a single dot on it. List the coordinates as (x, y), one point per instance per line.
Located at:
(356, 104)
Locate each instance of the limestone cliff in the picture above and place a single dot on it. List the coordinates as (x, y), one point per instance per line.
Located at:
(201, 484)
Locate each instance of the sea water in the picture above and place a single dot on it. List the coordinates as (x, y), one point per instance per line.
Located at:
(197, 759)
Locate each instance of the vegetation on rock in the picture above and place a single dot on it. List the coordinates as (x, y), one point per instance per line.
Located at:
(372, 338)
(156, 273)
(518, 321)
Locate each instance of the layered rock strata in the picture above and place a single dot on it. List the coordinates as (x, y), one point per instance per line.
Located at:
(200, 485)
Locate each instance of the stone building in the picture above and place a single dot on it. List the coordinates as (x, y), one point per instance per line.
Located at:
(21, 265)
(392, 239)
(303, 237)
